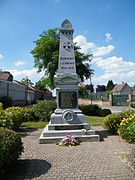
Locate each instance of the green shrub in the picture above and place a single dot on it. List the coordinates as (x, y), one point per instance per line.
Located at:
(105, 112)
(127, 128)
(10, 148)
(112, 122)
(5, 121)
(44, 109)
(1, 106)
(132, 104)
(15, 115)
(90, 110)
(6, 101)
(28, 114)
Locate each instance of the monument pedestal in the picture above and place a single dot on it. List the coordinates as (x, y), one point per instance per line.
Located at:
(67, 118)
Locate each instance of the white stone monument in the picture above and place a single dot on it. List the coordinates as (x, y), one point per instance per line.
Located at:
(67, 118)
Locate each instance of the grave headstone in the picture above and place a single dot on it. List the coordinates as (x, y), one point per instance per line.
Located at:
(67, 118)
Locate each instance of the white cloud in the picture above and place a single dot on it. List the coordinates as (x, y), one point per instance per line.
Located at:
(108, 37)
(84, 44)
(1, 56)
(32, 74)
(103, 50)
(115, 68)
(19, 63)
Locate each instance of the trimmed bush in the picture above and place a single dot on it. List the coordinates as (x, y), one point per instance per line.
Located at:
(6, 101)
(44, 109)
(90, 110)
(10, 148)
(112, 122)
(28, 114)
(127, 128)
(15, 115)
(5, 121)
(132, 104)
(105, 112)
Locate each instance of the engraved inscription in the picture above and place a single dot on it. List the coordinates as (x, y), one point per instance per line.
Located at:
(68, 100)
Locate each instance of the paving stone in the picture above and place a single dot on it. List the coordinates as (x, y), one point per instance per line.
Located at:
(89, 160)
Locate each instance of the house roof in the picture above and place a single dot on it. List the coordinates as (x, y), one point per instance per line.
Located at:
(119, 87)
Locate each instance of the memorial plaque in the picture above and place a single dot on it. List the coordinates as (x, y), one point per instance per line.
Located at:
(67, 100)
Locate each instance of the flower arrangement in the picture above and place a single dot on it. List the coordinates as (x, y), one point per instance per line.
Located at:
(69, 140)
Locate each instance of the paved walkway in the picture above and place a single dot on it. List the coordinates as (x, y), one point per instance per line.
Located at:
(89, 160)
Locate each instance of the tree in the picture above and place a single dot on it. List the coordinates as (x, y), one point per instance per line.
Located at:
(100, 88)
(46, 55)
(110, 85)
(82, 93)
(89, 87)
(26, 81)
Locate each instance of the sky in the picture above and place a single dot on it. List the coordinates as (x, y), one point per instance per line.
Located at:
(105, 28)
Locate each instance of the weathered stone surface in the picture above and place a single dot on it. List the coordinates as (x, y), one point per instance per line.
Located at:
(67, 118)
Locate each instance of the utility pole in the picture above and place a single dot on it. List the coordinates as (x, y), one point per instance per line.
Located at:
(90, 91)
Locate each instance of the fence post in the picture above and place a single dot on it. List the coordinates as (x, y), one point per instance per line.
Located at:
(111, 99)
(130, 97)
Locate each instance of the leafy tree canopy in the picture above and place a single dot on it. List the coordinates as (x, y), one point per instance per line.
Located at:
(89, 87)
(26, 81)
(110, 85)
(100, 88)
(82, 93)
(46, 55)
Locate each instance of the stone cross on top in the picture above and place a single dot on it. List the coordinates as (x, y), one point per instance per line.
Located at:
(66, 49)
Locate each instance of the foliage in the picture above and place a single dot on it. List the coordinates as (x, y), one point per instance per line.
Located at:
(26, 81)
(105, 112)
(132, 104)
(44, 109)
(15, 115)
(82, 93)
(68, 141)
(6, 101)
(127, 128)
(112, 122)
(1, 106)
(12, 117)
(46, 54)
(28, 114)
(100, 88)
(89, 87)
(10, 148)
(90, 110)
(5, 121)
(95, 120)
(110, 85)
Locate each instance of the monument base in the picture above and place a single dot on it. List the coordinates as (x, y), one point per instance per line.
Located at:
(58, 128)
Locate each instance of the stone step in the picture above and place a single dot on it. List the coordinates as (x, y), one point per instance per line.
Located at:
(65, 132)
(81, 138)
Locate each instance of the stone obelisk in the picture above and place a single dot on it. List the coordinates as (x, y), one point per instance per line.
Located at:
(67, 118)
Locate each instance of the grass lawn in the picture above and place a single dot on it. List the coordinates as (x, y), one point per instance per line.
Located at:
(35, 125)
(95, 120)
(91, 120)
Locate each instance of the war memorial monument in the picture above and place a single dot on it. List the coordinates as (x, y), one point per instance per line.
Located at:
(67, 118)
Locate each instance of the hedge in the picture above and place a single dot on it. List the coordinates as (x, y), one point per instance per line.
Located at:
(10, 148)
